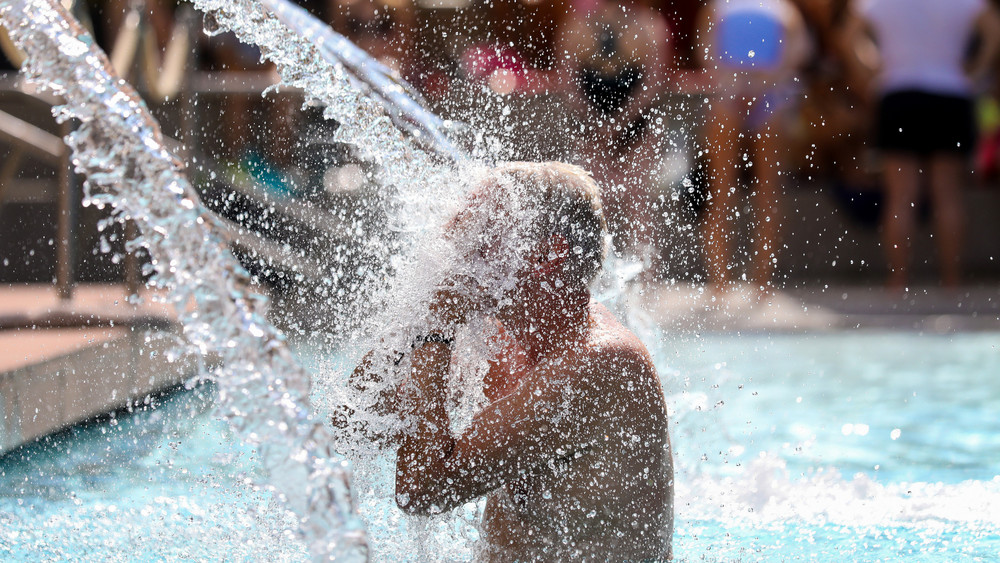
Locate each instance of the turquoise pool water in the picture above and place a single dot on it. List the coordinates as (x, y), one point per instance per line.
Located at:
(826, 447)
(862, 446)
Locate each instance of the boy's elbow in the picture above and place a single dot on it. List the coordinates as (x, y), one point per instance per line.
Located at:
(410, 506)
(415, 497)
(416, 502)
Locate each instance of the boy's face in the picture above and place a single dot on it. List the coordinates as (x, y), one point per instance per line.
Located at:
(491, 242)
(484, 231)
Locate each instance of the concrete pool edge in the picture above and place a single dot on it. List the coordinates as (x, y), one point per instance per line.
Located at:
(687, 307)
(121, 366)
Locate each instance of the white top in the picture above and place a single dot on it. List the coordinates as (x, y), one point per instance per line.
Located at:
(923, 43)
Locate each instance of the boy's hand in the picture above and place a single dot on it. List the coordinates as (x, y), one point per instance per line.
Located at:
(457, 299)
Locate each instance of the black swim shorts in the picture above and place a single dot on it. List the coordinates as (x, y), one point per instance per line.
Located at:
(923, 123)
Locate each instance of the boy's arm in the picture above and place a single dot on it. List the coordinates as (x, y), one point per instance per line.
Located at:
(557, 411)
(370, 372)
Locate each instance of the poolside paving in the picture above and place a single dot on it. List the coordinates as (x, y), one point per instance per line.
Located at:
(688, 306)
(36, 325)
(63, 361)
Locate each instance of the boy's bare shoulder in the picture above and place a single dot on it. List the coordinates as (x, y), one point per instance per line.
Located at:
(615, 347)
(609, 333)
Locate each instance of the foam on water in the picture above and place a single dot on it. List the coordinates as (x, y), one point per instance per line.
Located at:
(765, 491)
(837, 446)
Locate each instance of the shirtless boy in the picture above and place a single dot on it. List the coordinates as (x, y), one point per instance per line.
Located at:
(572, 452)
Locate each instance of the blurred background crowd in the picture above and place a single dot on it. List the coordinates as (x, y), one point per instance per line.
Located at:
(763, 142)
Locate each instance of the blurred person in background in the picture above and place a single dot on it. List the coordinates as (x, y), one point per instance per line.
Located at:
(753, 51)
(270, 161)
(387, 30)
(928, 55)
(225, 53)
(988, 152)
(516, 52)
(612, 60)
(830, 136)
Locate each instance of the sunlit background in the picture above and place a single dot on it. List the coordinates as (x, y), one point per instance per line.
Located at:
(823, 306)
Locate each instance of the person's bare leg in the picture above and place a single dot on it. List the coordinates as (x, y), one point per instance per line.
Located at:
(946, 174)
(624, 196)
(632, 217)
(902, 186)
(723, 145)
(767, 207)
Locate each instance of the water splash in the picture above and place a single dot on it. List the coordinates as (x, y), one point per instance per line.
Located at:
(305, 58)
(401, 102)
(263, 392)
(423, 175)
(426, 177)
(422, 190)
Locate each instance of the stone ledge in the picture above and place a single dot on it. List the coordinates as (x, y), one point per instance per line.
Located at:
(117, 367)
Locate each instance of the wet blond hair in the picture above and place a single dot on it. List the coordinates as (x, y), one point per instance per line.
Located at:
(568, 203)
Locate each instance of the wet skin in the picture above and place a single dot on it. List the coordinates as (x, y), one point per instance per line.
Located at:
(573, 452)
(608, 487)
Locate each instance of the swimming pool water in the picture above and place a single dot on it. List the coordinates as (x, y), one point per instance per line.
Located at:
(821, 447)
(865, 446)
(165, 482)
